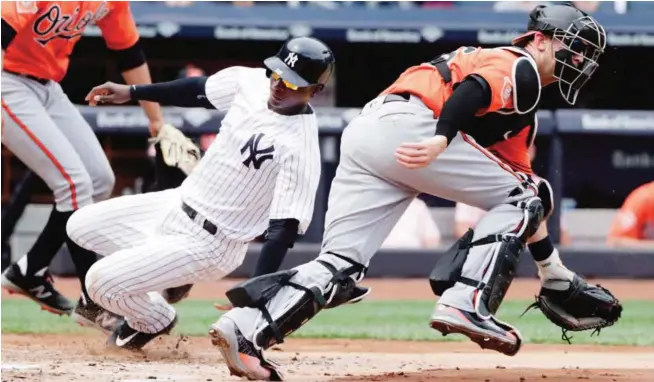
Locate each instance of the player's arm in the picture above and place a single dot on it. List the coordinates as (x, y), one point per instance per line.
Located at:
(291, 210)
(16, 15)
(214, 92)
(458, 113)
(279, 237)
(122, 38)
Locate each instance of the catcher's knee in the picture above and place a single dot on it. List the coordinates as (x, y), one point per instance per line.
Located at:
(324, 283)
(534, 214)
(546, 196)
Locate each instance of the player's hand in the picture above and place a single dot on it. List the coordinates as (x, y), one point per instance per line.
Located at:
(155, 127)
(421, 154)
(108, 92)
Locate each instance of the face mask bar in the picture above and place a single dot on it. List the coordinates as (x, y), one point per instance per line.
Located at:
(585, 38)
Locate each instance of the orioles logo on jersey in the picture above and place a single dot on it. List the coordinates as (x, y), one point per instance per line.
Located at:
(507, 90)
(53, 23)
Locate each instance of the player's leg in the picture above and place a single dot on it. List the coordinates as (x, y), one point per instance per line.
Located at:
(362, 209)
(121, 223)
(467, 173)
(35, 139)
(11, 214)
(83, 139)
(113, 225)
(181, 252)
(86, 145)
(473, 281)
(540, 245)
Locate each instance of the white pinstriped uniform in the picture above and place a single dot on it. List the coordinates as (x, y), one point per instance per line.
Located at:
(261, 166)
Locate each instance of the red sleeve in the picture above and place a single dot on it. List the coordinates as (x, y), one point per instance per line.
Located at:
(19, 14)
(118, 26)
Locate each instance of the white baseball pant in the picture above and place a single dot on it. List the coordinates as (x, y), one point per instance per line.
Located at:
(152, 245)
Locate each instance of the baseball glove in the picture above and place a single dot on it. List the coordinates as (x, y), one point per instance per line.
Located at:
(177, 149)
(580, 307)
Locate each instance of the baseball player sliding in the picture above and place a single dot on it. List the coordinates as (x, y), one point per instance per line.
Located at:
(47, 133)
(427, 133)
(262, 171)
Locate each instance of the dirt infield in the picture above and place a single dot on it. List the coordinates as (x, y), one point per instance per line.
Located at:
(59, 358)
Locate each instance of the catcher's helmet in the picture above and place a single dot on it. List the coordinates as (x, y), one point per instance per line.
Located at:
(578, 33)
(302, 61)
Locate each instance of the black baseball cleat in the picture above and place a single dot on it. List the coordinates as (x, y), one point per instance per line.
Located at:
(124, 337)
(176, 294)
(89, 314)
(6, 255)
(37, 287)
(359, 293)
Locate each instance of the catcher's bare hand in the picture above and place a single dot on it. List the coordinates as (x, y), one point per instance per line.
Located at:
(108, 92)
(420, 154)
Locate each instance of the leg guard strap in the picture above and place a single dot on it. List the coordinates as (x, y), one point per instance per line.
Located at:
(260, 291)
(498, 277)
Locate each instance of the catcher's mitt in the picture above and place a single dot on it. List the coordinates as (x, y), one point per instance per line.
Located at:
(580, 307)
(177, 150)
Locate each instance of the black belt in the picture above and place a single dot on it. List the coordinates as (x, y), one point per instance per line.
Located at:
(42, 81)
(206, 224)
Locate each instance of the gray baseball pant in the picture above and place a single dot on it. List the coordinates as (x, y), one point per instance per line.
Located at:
(371, 191)
(47, 133)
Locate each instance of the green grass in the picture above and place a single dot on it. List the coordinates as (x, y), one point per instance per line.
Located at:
(388, 320)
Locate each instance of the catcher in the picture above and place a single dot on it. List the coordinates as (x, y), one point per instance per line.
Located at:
(430, 128)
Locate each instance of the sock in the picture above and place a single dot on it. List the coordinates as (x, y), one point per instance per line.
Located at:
(548, 261)
(47, 244)
(83, 260)
(20, 199)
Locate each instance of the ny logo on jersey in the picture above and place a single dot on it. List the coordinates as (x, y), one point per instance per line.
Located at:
(291, 59)
(256, 156)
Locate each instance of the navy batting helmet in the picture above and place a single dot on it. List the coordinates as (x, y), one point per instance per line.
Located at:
(303, 61)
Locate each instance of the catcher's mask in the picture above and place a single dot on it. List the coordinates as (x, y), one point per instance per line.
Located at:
(579, 35)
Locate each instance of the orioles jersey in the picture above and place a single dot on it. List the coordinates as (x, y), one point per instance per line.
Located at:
(508, 124)
(47, 31)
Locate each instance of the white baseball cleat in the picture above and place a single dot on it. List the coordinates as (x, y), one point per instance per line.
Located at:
(242, 359)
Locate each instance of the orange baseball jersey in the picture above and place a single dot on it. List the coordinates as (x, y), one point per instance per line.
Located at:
(515, 150)
(507, 125)
(496, 66)
(635, 219)
(47, 31)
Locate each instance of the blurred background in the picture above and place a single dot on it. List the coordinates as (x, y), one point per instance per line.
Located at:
(595, 156)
